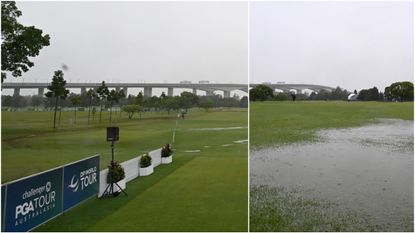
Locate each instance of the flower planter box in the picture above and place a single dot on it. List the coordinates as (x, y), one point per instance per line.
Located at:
(121, 183)
(166, 160)
(146, 170)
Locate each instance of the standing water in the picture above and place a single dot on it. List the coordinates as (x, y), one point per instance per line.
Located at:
(368, 170)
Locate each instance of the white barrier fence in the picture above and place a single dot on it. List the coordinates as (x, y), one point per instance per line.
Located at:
(131, 168)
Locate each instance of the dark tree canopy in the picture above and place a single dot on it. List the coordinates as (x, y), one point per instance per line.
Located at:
(261, 93)
(18, 42)
(402, 91)
(371, 94)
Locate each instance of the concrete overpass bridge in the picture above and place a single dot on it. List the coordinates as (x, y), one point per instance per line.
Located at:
(209, 88)
(297, 87)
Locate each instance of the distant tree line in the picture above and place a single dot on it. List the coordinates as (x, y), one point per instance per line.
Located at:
(398, 91)
(58, 97)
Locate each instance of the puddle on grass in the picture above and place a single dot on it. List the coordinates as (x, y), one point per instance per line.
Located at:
(241, 141)
(218, 129)
(226, 145)
(192, 151)
(368, 170)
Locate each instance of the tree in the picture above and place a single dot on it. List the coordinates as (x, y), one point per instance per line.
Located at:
(281, 96)
(121, 97)
(206, 105)
(36, 101)
(114, 97)
(57, 90)
(91, 96)
(18, 101)
(131, 109)
(338, 94)
(371, 94)
(103, 93)
(139, 99)
(18, 42)
(402, 91)
(243, 103)
(188, 100)
(260, 93)
(75, 101)
(7, 100)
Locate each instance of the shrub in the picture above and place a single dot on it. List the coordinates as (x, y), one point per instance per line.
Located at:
(166, 151)
(145, 161)
(115, 172)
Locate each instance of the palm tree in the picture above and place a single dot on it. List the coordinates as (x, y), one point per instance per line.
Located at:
(92, 95)
(103, 93)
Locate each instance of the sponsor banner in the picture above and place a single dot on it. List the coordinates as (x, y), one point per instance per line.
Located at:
(33, 200)
(3, 199)
(81, 181)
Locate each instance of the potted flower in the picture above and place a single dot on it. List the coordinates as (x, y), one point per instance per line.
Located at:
(166, 154)
(116, 174)
(146, 167)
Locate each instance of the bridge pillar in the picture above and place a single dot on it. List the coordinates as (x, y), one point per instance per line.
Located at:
(125, 90)
(299, 91)
(226, 94)
(147, 91)
(83, 90)
(195, 91)
(16, 91)
(210, 93)
(117, 89)
(40, 91)
(170, 91)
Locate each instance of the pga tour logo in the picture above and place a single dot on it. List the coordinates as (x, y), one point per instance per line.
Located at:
(36, 201)
(86, 178)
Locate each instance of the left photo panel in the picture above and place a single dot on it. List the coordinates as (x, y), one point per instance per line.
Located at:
(124, 116)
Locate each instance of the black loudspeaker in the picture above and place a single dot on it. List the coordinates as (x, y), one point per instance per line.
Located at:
(113, 134)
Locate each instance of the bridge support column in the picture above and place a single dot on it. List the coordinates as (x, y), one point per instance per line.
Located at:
(16, 91)
(147, 91)
(195, 91)
(170, 91)
(117, 89)
(226, 94)
(125, 90)
(299, 91)
(40, 91)
(83, 90)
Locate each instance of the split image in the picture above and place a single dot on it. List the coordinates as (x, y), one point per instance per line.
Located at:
(262, 116)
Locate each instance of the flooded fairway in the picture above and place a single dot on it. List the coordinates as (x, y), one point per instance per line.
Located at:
(366, 172)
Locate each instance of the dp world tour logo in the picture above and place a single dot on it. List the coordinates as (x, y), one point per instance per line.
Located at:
(86, 178)
(74, 185)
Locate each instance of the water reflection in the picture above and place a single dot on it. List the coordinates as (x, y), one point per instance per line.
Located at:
(367, 169)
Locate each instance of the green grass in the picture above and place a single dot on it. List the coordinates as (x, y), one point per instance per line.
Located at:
(204, 191)
(280, 210)
(288, 122)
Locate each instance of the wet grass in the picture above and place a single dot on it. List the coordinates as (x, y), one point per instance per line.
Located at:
(279, 209)
(205, 191)
(274, 122)
(278, 123)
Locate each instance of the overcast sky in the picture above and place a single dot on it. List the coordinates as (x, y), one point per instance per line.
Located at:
(353, 45)
(140, 41)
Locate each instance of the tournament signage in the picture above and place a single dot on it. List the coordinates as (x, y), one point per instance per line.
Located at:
(33, 200)
(81, 181)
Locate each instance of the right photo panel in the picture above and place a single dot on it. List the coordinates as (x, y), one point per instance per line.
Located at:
(331, 116)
